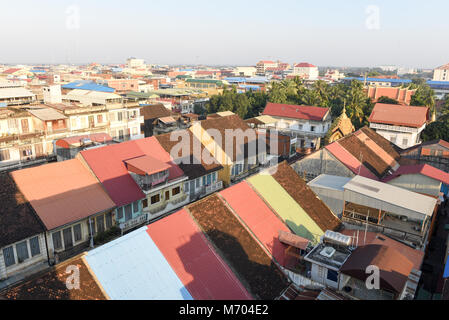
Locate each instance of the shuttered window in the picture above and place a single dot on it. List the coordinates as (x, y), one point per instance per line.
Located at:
(8, 256)
(57, 243)
(128, 212)
(34, 246)
(22, 251)
(100, 223)
(77, 232)
(108, 220)
(120, 213)
(135, 206)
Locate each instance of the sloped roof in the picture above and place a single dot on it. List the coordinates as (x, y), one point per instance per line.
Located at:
(62, 192)
(51, 285)
(286, 207)
(189, 165)
(259, 218)
(423, 169)
(75, 141)
(17, 218)
(146, 165)
(108, 164)
(295, 111)
(394, 267)
(398, 115)
(304, 65)
(238, 248)
(87, 85)
(132, 267)
(154, 111)
(444, 67)
(47, 114)
(298, 189)
(205, 275)
(15, 92)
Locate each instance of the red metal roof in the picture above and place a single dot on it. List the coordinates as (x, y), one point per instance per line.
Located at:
(62, 192)
(108, 164)
(399, 115)
(258, 217)
(193, 259)
(11, 70)
(350, 161)
(146, 165)
(424, 169)
(304, 65)
(96, 137)
(295, 112)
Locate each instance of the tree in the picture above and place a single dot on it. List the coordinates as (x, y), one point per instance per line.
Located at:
(436, 130)
(387, 100)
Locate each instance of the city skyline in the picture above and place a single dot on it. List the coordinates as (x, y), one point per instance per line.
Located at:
(354, 33)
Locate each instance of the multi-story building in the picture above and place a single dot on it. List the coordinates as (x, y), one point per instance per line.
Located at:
(262, 66)
(13, 94)
(441, 73)
(307, 125)
(402, 125)
(306, 70)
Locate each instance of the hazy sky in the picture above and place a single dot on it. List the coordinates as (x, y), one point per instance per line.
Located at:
(232, 32)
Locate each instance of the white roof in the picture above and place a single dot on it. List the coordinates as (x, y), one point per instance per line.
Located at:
(92, 94)
(47, 114)
(15, 92)
(328, 181)
(393, 195)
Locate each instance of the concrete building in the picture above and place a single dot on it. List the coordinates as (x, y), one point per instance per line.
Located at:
(305, 70)
(401, 125)
(441, 73)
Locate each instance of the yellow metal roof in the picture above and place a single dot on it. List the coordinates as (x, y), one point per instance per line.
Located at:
(286, 207)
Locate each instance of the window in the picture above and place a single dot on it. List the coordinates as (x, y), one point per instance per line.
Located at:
(4, 155)
(57, 242)
(404, 142)
(197, 183)
(100, 223)
(100, 118)
(209, 179)
(204, 180)
(22, 251)
(77, 232)
(145, 203)
(393, 139)
(91, 226)
(34, 246)
(119, 116)
(312, 128)
(68, 239)
(214, 177)
(128, 212)
(8, 256)
(135, 206)
(175, 191)
(155, 199)
(120, 213)
(108, 220)
(186, 187)
(167, 195)
(332, 275)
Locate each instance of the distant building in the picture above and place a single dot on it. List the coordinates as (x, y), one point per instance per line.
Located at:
(306, 70)
(262, 66)
(135, 63)
(441, 73)
(401, 95)
(401, 125)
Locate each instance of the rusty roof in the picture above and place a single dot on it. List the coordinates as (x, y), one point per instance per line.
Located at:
(51, 285)
(298, 189)
(155, 111)
(399, 115)
(17, 218)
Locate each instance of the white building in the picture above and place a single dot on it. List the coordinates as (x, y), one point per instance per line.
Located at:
(441, 73)
(262, 66)
(306, 70)
(402, 125)
(135, 63)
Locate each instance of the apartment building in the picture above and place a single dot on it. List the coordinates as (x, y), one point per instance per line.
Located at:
(441, 73)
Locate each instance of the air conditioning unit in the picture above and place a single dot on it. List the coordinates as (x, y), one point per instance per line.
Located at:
(327, 252)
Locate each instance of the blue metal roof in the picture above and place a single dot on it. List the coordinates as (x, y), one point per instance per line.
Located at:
(380, 80)
(38, 71)
(132, 267)
(87, 85)
(245, 80)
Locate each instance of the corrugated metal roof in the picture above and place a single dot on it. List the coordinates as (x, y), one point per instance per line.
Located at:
(132, 267)
(15, 92)
(393, 195)
(295, 111)
(398, 115)
(87, 85)
(423, 169)
(258, 217)
(47, 114)
(62, 192)
(327, 181)
(286, 207)
(194, 260)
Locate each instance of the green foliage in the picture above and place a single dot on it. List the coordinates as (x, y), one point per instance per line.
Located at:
(387, 100)
(424, 95)
(436, 130)
(320, 94)
(107, 235)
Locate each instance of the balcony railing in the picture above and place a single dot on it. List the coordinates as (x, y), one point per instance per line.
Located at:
(393, 128)
(214, 187)
(134, 222)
